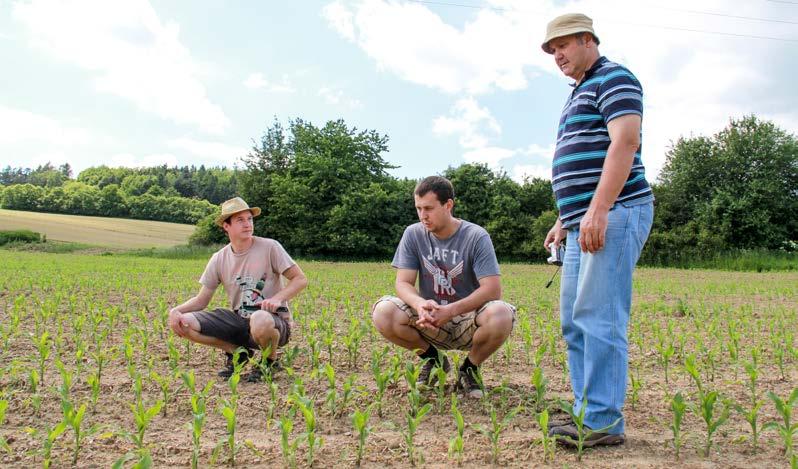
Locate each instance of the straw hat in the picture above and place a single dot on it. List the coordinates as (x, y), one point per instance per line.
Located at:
(233, 206)
(564, 25)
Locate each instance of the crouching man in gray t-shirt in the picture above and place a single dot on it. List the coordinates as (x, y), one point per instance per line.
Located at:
(457, 305)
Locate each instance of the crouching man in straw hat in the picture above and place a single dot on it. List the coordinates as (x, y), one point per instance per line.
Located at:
(250, 268)
(457, 305)
(606, 211)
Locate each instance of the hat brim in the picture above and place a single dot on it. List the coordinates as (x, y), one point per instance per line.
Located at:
(565, 32)
(221, 218)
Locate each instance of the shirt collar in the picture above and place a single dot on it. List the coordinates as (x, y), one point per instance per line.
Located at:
(589, 73)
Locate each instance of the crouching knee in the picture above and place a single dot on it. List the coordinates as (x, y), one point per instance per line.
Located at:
(261, 326)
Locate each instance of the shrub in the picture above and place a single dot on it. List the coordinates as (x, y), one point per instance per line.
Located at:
(24, 236)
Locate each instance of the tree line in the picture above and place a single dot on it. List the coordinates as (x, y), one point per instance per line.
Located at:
(326, 191)
(179, 194)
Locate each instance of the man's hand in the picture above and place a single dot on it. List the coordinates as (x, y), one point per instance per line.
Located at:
(592, 230)
(176, 322)
(425, 309)
(270, 305)
(443, 314)
(556, 235)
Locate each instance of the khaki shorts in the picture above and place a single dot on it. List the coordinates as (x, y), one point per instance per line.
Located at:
(457, 334)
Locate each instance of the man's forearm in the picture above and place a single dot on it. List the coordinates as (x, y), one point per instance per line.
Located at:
(408, 293)
(476, 299)
(292, 289)
(193, 304)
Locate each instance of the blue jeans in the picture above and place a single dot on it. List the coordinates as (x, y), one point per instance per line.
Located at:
(595, 301)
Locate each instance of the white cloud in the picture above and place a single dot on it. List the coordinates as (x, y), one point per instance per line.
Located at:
(475, 126)
(133, 161)
(257, 81)
(470, 121)
(209, 150)
(23, 126)
(412, 41)
(340, 18)
(521, 171)
(336, 97)
(693, 82)
(537, 151)
(130, 52)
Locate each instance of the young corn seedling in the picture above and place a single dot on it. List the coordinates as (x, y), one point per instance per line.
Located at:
(74, 418)
(332, 393)
(381, 377)
(539, 384)
(666, 351)
(346, 395)
(228, 410)
(413, 421)
(360, 422)
(440, 386)
(637, 384)
(3, 407)
(582, 431)
(548, 442)
(308, 413)
(457, 443)
(751, 414)
(733, 344)
(287, 445)
(198, 413)
(164, 384)
(707, 412)
(678, 406)
(495, 431)
(787, 429)
(43, 346)
(94, 384)
(50, 435)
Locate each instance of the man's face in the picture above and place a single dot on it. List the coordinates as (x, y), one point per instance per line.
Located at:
(570, 56)
(432, 213)
(240, 226)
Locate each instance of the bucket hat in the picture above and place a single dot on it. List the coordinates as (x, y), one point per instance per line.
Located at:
(564, 25)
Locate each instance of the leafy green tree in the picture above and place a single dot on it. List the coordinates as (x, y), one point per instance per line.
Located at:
(740, 188)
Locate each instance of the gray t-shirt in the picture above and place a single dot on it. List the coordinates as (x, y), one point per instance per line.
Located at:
(449, 269)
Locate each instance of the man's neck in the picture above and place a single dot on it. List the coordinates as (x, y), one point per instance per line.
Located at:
(241, 245)
(449, 229)
(589, 66)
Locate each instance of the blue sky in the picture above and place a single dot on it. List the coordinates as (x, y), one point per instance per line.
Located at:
(141, 83)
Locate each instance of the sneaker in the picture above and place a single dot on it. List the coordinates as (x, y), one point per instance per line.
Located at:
(229, 367)
(467, 382)
(426, 377)
(568, 435)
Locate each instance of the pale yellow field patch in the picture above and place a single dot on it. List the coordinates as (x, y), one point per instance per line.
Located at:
(98, 231)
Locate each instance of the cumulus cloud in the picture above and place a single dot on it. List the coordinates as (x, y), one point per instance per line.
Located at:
(215, 151)
(693, 81)
(336, 97)
(257, 81)
(21, 126)
(130, 52)
(135, 161)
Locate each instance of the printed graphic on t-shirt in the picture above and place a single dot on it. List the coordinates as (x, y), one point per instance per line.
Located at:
(444, 280)
(251, 292)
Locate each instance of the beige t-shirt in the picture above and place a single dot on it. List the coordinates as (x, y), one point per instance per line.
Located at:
(248, 277)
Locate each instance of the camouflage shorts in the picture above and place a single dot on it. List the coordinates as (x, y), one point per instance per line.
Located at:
(457, 334)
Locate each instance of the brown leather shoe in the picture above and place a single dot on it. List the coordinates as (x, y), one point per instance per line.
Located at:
(568, 435)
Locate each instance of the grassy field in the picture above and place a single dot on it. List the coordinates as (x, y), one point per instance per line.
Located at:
(84, 330)
(119, 233)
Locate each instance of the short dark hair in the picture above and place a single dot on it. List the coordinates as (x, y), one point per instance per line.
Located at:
(438, 185)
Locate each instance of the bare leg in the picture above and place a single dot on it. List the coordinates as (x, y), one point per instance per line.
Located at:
(261, 327)
(494, 325)
(394, 325)
(192, 333)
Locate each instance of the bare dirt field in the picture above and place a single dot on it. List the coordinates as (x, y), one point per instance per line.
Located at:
(111, 310)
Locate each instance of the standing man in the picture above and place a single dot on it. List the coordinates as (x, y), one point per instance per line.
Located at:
(457, 305)
(605, 214)
(250, 268)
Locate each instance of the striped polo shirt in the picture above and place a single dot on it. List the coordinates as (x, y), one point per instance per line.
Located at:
(607, 91)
